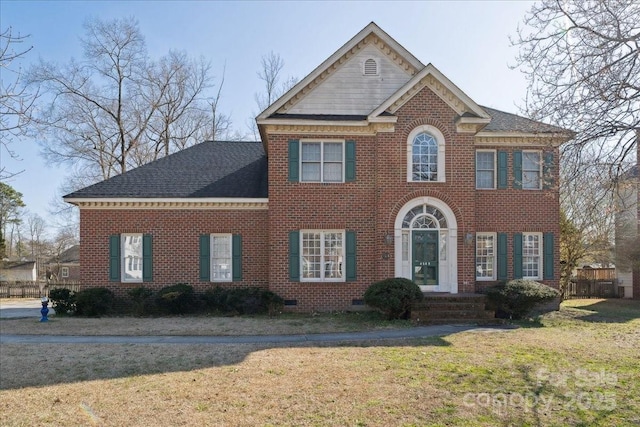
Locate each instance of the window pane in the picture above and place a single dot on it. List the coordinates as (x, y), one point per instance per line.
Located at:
(132, 257)
(311, 172)
(333, 152)
(484, 179)
(531, 255)
(485, 256)
(530, 160)
(530, 179)
(332, 172)
(333, 255)
(311, 152)
(425, 158)
(311, 255)
(221, 257)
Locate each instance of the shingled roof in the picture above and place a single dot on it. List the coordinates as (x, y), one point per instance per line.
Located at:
(507, 122)
(209, 169)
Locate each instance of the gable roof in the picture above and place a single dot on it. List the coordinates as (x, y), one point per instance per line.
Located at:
(69, 256)
(211, 169)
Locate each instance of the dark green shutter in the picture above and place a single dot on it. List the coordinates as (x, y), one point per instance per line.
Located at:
(294, 256)
(547, 171)
(147, 258)
(350, 270)
(236, 249)
(548, 260)
(294, 160)
(517, 256)
(502, 256)
(350, 163)
(205, 258)
(114, 258)
(502, 169)
(517, 169)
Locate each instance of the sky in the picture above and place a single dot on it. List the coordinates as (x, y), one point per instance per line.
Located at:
(468, 41)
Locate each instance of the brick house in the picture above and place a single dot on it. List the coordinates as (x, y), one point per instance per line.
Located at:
(372, 166)
(65, 266)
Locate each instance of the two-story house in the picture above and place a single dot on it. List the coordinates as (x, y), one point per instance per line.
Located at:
(372, 166)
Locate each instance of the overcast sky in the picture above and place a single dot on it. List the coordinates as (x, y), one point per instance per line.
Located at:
(466, 40)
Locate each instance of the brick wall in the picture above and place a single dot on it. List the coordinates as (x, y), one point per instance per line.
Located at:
(175, 244)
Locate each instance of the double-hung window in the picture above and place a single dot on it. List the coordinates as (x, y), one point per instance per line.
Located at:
(532, 255)
(322, 255)
(220, 257)
(485, 169)
(131, 257)
(64, 272)
(485, 256)
(531, 170)
(322, 161)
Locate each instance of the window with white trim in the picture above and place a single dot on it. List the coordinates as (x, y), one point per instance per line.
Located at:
(322, 161)
(486, 256)
(485, 169)
(64, 272)
(131, 262)
(532, 256)
(425, 155)
(322, 255)
(531, 170)
(221, 258)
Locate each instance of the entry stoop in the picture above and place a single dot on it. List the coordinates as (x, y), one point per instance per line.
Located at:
(443, 308)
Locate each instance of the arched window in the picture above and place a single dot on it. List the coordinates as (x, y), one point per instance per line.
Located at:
(425, 155)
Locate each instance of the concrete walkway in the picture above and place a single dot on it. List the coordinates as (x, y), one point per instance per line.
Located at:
(30, 308)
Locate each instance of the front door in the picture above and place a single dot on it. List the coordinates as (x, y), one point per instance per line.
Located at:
(425, 257)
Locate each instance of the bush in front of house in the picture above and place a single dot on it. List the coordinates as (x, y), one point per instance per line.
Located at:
(516, 298)
(94, 302)
(140, 298)
(251, 300)
(63, 301)
(393, 297)
(177, 299)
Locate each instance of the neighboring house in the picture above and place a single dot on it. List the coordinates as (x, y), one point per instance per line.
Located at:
(18, 271)
(65, 266)
(373, 166)
(628, 229)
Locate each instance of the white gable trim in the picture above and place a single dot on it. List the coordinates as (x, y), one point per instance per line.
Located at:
(324, 69)
(431, 77)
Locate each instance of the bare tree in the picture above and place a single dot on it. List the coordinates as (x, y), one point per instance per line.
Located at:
(16, 101)
(116, 108)
(275, 86)
(581, 60)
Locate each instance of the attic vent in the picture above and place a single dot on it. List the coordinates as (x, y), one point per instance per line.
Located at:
(370, 67)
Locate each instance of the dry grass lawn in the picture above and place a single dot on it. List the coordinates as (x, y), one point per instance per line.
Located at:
(579, 367)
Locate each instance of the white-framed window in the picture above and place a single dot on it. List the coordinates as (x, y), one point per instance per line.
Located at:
(64, 272)
(370, 67)
(485, 256)
(532, 170)
(486, 169)
(426, 155)
(532, 256)
(322, 255)
(221, 258)
(322, 161)
(131, 262)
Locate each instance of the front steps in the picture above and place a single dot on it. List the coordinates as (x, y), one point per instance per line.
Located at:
(444, 308)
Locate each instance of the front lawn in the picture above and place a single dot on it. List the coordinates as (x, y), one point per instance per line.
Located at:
(579, 366)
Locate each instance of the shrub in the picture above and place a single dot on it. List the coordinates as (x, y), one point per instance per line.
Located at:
(516, 298)
(242, 300)
(94, 302)
(176, 299)
(393, 297)
(63, 301)
(140, 297)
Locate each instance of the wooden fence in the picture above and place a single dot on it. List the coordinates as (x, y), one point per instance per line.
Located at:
(33, 289)
(594, 283)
